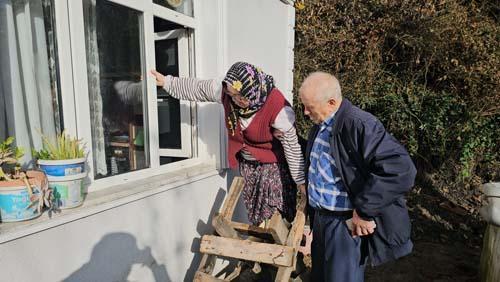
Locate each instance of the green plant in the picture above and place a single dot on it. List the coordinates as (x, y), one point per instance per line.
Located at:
(9, 155)
(64, 147)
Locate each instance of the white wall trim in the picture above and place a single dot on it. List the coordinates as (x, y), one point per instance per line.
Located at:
(65, 66)
(222, 161)
(290, 52)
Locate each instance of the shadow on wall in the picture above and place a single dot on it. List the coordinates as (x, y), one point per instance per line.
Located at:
(203, 228)
(117, 258)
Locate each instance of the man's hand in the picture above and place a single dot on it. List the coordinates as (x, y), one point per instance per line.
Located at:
(160, 78)
(307, 237)
(361, 227)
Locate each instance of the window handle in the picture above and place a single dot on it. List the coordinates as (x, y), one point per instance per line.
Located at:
(160, 100)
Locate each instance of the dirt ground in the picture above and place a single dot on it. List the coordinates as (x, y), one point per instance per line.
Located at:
(447, 245)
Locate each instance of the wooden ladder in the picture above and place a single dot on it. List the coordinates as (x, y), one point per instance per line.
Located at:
(277, 244)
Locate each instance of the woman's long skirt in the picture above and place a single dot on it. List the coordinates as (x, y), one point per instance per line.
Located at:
(269, 187)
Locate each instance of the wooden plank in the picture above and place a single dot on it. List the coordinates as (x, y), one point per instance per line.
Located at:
(293, 240)
(236, 272)
(297, 230)
(252, 230)
(255, 239)
(278, 229)
(234, 194)
(203, 277)
(223, 227)
(284, 273)
(244, 249)
(245, 228)
(207, 264)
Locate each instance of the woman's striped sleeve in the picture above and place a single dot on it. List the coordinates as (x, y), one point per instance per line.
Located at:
(193, 89)
(293, 155)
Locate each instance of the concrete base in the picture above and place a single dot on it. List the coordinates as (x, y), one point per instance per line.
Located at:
(490, 256)
(491, 212)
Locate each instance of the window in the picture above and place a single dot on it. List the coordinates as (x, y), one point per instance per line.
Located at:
(127, 123)
(115, 72)
(29, 91)
(172, 58)
(96, 84)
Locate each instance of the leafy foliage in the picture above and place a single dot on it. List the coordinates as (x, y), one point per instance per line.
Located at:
(428, 69)
(9, 155)
(63, 147)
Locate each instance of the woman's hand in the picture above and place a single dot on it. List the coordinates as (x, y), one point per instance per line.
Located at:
(302, 189)
(160, 78)
(277, 133)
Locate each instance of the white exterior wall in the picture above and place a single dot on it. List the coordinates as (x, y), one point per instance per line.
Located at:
(261, 32)
(153, 237)
(156, 237)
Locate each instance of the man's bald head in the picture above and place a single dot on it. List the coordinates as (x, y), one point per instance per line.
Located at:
(322, 85)
(321, 96)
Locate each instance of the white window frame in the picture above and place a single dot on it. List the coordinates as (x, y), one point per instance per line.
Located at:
(185, 106)
(71, 30)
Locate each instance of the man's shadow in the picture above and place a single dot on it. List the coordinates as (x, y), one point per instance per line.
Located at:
(116, 257)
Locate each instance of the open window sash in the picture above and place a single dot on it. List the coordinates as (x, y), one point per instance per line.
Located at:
(179, 47)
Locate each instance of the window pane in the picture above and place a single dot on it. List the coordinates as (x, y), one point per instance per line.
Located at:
(29, 94)
(113, 38)
(169, 116)
(181, 6)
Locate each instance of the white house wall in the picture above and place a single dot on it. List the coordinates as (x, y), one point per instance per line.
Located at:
(156, 235)
(261, 32)
(209, 65)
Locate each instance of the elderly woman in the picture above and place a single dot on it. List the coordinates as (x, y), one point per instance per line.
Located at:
(254, 109)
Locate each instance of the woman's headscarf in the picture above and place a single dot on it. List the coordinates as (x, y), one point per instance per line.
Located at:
(253, 84)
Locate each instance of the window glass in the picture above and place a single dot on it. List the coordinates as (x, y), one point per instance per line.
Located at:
(115, 67)
(29, 93)
(182, 6)
(169, 118)
(172, 58)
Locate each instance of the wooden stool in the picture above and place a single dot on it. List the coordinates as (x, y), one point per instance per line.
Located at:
(277, 244)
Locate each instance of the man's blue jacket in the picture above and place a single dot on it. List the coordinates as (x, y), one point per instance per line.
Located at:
(377, 173)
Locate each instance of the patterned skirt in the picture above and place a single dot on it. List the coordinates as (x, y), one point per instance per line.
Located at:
(269, 187)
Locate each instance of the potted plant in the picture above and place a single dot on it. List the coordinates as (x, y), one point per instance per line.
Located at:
(22, 194)
(63, 160)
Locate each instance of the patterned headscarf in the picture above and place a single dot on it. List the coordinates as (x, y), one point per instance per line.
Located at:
(253, 84)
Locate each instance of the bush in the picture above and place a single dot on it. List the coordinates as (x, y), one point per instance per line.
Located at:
(428, 69)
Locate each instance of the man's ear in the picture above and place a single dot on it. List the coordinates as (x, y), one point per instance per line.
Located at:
(332, 102)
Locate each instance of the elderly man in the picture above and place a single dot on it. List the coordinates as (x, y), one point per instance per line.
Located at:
(358, 175)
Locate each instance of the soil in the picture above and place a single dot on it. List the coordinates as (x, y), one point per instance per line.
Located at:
(447, 241)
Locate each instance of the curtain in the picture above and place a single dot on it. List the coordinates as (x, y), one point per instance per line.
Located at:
(96, 102)
(28, 90)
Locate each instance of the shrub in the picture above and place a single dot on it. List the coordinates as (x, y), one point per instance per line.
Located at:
(428, 69)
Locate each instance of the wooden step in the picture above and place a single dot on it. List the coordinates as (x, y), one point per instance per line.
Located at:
(274, 254)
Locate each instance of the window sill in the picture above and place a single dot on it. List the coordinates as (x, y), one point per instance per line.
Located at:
(102, 200)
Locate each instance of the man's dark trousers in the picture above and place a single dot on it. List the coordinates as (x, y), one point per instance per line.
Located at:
(336, 256)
